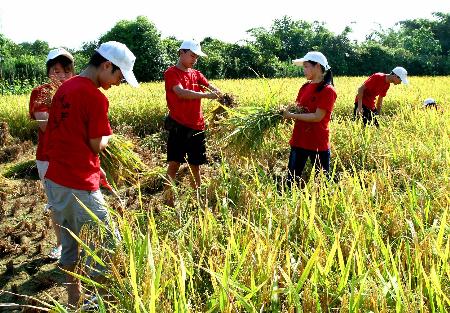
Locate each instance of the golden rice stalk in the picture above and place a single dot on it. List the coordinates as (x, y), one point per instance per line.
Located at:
(247, 127)
(120, 162)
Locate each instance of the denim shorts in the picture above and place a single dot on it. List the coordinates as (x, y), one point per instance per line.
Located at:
(70, 214)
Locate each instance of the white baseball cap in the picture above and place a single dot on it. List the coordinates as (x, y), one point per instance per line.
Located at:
(54, 53)
(194, 46)
(401, 72)
(118, 54)
(429, 101)
(314, 56)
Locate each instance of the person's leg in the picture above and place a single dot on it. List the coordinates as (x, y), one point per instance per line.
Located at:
(322, 162)
(297, 162)
(195, 178)
(42, 167)
(367, 116)
(196, 156)
(169, 197)
(375, 118)
(56, 227)
(176, 152)
(62, 201)
(73, 286)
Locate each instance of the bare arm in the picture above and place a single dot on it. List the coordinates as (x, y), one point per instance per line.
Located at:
(306, 117)
(190, 94)
(359, 96)
(41, 118)
(99, 144)
(379, 104)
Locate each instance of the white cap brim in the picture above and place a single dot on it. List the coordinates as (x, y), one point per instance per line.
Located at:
(404, 80)
(199, 53)
(130, 78)
(299, 62)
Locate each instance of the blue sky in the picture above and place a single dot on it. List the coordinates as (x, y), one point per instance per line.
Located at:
(68, 24)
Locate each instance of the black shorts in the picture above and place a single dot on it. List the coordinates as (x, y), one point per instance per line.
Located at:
(368, 116)
(185, 144)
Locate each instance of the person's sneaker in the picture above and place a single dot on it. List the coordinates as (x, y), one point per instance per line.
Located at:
(90, 303)
(55, 254)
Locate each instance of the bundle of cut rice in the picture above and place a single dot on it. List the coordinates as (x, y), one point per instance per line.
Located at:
(246, 128)
(120, 162)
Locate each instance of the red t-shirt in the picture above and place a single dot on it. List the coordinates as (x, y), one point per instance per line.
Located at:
(79, 112)
(187, 112)
(314, 136)
(376, 85)
(40, 101)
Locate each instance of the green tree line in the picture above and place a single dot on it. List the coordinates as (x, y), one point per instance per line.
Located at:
(420, 45)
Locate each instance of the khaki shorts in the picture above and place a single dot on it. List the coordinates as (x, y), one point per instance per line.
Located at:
(42, 167)
(71, 215)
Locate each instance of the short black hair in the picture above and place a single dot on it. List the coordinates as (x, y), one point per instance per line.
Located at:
(65, 62)
(97, 59)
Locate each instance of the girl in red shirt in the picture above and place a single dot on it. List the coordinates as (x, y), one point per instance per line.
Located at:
(315, 100)
(59, 69)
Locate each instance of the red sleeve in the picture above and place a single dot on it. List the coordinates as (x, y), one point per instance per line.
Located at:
(40, 101)
(201, 79)
(98, 123)
(327, 99)
(171, 79)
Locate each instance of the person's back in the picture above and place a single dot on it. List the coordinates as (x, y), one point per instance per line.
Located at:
(78, 113)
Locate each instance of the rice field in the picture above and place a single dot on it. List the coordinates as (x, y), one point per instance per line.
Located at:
(373, 238)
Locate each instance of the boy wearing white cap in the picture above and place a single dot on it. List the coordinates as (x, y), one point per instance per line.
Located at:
(78, 129)
(375, 86)
(315, 101)
(185, 123)
(60, 68)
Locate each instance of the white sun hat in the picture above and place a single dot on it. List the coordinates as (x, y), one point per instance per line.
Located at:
(314, 56)
(54, 53)
(429, 101)
(402, 73)
(122, 57)
(194, 46)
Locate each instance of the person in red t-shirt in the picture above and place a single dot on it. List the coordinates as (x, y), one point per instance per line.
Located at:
(78, 129)
(375, 86)
(315, 100)
(185, 123)
(59, 69)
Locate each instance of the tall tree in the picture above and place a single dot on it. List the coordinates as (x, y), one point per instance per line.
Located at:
(144, 40)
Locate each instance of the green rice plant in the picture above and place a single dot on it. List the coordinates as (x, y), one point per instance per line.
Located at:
(25, 169)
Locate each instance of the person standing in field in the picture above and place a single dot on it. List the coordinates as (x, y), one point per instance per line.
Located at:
(185, 87)
(60, 68)
(315, 102)
(78, 129)
(375, 86)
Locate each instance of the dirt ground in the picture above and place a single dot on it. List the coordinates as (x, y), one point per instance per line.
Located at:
(26, 238)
